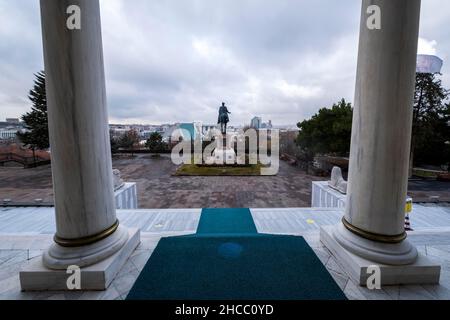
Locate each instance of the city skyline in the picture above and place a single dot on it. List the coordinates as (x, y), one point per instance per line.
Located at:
(18, 121)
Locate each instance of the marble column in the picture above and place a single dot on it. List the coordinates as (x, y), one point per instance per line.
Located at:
(373, 226)
(87, 227)
(381, 134)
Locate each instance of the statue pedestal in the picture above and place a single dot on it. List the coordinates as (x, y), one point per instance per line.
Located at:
(224, 156)
(224, 153)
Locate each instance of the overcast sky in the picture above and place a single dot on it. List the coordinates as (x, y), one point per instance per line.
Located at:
(176, 61)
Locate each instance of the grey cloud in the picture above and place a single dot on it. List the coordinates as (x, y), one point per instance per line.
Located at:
(169, 61)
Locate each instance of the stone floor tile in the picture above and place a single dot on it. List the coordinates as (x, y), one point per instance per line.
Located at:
(438, 291)
(414, 293)
(379, 294)
(140, 258)
(323, 255)
(340, 279)
(124, 283)
(353, 292)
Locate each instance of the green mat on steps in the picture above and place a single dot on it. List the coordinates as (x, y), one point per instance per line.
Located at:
(225, 221)
(229, 260)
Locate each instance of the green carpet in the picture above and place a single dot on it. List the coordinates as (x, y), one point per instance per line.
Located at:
(226, 221)
(234, 268)
(229, 260)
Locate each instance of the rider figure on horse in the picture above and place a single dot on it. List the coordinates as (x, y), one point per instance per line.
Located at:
(223, 118)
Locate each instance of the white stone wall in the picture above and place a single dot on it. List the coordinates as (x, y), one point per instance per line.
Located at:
(325, 197)
(126, 197)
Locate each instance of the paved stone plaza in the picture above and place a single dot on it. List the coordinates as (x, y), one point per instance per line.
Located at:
(157, 188)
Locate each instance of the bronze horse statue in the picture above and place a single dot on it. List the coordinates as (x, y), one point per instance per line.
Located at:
(223, 118)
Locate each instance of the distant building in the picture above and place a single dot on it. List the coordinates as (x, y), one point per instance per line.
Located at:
(8, 134)
(145, 134)
(168, 132)
(194, 129)
(9, 128)
(11, 124)
(267, 125)
(13, 121)
(117, 132)
(206, 128)
(144, 131)
(256, 123)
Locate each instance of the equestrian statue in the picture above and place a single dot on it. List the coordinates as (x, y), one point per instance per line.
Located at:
(223, 118)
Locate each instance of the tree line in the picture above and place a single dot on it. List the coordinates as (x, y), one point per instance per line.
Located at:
(130, 140)
(329, 131)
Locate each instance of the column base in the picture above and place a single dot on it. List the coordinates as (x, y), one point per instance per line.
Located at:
(38, 277)
(402, 253)
(60, 258)
(420, 271)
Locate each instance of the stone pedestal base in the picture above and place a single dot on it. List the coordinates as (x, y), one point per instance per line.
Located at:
(222, 157)
(37, 277)
(422, 271)
(126, 196)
